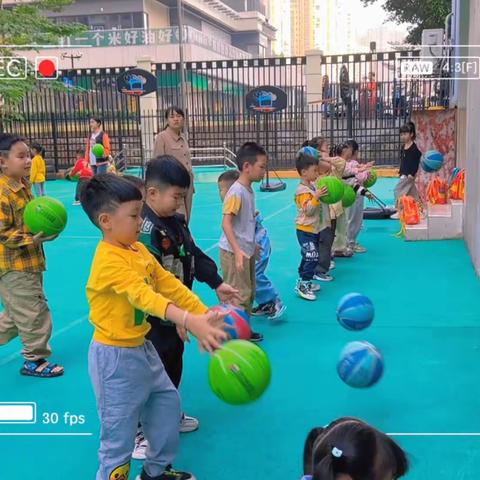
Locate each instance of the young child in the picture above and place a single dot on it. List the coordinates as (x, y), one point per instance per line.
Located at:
(266, 295)
(237, 243)
(409, 163)
(83, 170)
(343, 154)
(167, 236)
(355, 175)
(22, 263)
(350, 449)
(38, 170)
(311, 219)
(126, 284)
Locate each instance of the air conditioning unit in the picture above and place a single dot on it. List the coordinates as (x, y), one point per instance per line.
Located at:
(432, 42)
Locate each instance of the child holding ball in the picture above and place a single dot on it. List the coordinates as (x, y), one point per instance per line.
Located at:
(22, 263)
(126, 284)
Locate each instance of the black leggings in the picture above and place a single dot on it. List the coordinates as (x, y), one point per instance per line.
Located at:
(170, 348)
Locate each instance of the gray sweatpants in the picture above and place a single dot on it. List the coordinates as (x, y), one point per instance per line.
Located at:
(132, 387)
(406, 186)
(354, 221)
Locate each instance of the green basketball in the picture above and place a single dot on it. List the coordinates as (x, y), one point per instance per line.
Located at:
(98, 150)
(45, 214)
(335, 189)
(371, 179)
(349, 196)
(239, 372)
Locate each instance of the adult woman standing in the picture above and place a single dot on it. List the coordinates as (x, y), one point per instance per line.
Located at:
(100, 164)
(172, 141)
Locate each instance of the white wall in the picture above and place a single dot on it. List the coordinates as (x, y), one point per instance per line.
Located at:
(472, 160)
(158, 14)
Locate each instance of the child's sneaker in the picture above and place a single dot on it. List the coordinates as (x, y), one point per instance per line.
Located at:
(188, 424)
(168, 474)
(314, 287)
(256, 337)
(345, 253)
(323, 277)
(332, 265)
(263, 309)
(276, 311)
(141, 444)
(304, 290)
(359, 249)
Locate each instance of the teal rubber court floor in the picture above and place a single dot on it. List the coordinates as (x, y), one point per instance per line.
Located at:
(427, 325)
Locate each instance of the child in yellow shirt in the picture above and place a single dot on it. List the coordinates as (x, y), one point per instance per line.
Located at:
(127, 284)
(38, 170)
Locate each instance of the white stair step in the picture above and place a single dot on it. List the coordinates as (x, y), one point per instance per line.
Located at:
(418, 232)
(443, 228)
(440, 210)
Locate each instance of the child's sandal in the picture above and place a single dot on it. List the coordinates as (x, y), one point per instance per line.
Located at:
(40, 368)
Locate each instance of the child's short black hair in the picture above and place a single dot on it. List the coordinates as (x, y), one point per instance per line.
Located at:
(137, 181)
(105, 193)
(409, 127)
(304, 160)
(249, 153)
(98, 120)
(38, 148)
(353, 143)
(7, 140)
(166, 171)
(229, 176)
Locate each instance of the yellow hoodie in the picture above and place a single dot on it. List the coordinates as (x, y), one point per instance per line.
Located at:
(126, 285)
(37, 170)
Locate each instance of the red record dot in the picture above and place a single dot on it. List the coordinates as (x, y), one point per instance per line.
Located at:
(46, 68)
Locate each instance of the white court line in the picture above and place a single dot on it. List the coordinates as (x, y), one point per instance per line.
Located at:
(66, 328)
(46, 434)
(274, 214)
(435, 434)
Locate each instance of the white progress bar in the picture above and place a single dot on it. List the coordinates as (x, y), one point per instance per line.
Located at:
(18, 412)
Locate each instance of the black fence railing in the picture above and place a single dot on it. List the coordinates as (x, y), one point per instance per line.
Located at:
(381, 100)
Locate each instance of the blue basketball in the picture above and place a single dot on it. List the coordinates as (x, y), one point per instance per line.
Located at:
(355, 311)
(360, 365)
(310, 151)
(432, 161)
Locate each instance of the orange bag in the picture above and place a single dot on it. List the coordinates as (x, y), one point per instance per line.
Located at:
(457, 188)
(409, 211)
(437, 191)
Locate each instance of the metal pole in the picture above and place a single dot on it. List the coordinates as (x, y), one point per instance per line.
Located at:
(183, 99)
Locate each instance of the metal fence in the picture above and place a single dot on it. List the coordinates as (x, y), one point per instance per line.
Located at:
(381, 100)
(215, 103)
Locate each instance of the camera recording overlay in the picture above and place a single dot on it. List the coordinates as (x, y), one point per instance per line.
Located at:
(441, 63)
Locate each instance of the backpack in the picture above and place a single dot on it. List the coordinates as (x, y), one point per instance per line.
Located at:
(457, 186)
(437, 191)
(409, 211)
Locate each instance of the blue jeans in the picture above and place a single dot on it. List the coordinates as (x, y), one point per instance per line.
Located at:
(99, 169)
(309, 243)
(265, 291)
(131, 386)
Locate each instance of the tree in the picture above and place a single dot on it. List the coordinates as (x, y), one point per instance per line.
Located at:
(25, 24)
(421, 14)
